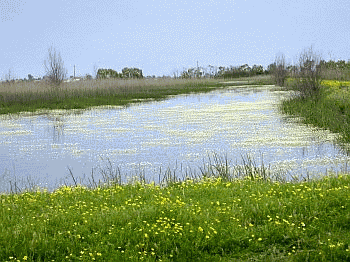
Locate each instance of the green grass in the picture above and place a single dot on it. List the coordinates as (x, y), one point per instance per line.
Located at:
(33, 96)
(207, 219)
(215, 217)
(330, 110)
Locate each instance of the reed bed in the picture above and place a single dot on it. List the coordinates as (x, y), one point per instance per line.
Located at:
(33, 96)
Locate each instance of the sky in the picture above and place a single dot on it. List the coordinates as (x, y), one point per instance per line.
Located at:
(161, 36)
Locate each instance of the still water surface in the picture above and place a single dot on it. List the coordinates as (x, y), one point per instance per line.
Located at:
(180, 131)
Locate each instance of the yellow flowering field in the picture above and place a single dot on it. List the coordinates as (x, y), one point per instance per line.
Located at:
(208, 220)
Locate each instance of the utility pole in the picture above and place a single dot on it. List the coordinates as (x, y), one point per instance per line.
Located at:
(74, 73)
(197, 69)
(216, 70)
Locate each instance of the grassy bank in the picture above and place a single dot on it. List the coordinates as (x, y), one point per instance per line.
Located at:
(32, 96)
(330, 110)
(215, 218)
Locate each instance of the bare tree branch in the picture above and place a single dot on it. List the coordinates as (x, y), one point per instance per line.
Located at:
(55, 70)
(280, 71)
(309, 75)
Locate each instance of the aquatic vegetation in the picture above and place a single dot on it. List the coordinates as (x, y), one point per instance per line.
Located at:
(330, 110)
(32, 96)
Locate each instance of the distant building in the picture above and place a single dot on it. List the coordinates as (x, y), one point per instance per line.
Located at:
(73, 79)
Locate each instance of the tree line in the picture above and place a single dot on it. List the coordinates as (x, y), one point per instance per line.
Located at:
(126, 73)
(56, 73)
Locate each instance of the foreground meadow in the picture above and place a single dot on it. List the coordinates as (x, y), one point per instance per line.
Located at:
(213, 218)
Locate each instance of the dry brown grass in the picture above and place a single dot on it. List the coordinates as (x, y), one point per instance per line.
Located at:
(41, 89)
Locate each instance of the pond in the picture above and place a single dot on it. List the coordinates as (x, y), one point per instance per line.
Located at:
(179, 133)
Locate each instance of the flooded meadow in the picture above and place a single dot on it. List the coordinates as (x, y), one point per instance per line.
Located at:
(178, 134)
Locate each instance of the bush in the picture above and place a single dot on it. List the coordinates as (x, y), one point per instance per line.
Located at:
(279, 71)
(309, 74)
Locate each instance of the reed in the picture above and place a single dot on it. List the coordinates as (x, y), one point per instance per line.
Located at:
(33, 96)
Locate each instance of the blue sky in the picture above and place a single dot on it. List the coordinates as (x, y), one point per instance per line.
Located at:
(161, 36)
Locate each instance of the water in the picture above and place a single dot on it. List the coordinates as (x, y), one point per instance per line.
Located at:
(181, 131)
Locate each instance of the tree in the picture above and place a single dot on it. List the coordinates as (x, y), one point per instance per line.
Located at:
(309, 73)
(271, 68)
(107, 73)
(88, 77)
(132, 72)
(280, 71)
(30, 77)
(55, 70)
(257, 70)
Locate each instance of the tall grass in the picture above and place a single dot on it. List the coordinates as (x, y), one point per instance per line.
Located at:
(32, 96)
(329, 109)
(218, 216)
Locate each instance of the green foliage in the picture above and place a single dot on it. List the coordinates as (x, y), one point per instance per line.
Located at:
(126, 73)
(328, 109)
(107, 73)
(132, 73)
(206, 219)
(30, 77)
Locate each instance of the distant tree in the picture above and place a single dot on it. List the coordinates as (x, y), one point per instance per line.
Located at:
(132, 72)
(271, 68)
(187, 73)
(280, 70)
(30, 77)
(107, 73)
(55, 69)
(309, 75)
(88, 77)
(257, 70)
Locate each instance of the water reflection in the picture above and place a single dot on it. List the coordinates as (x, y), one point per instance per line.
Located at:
(152, 136)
